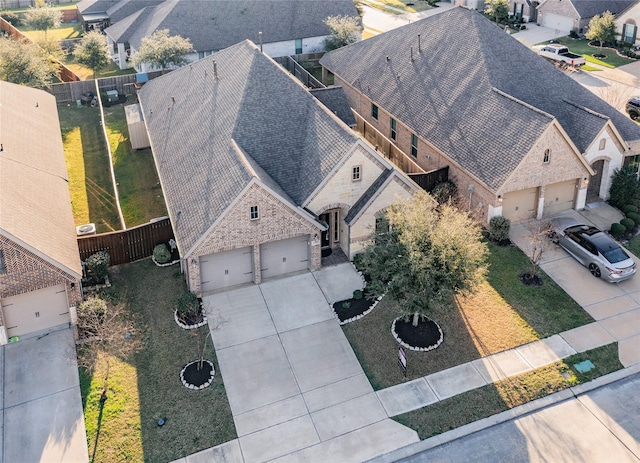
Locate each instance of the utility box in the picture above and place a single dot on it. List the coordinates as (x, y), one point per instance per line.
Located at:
(137, 130)
(112, 96)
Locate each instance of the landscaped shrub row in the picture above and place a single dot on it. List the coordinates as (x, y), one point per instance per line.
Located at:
(627, 224)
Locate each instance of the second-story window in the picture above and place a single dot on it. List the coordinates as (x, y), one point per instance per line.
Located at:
(355, 173)
(414, 145)
(374, 111)
(393, 129)
(547, 156)
(254, 213)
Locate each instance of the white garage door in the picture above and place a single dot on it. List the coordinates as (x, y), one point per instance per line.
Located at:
(228, 268)
(554, 21)
(285, 256)
(559, 197)
(520, 205)
(35, 310)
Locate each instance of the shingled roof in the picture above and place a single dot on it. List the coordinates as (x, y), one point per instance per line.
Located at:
(35, 207)
(117, 10)
(214, 130)
(217, 24)
(474, 92)
(335, 99)
(590, 8)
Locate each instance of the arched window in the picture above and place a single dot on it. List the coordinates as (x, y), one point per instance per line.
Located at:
(547, 155)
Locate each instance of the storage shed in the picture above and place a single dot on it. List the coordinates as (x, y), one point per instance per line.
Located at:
(137, 130)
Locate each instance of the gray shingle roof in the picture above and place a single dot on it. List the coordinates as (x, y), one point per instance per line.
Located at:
(35, 206)
(217, 24)
(194, 122)
(335, 99)
(590, 8)
(476, 93)
(366, 197)
(115, 9)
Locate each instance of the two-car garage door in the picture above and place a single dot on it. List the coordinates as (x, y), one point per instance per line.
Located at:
(35, 310)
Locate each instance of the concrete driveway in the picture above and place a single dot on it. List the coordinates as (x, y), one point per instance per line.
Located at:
(296, 389)
(42, 419)
(615, 307)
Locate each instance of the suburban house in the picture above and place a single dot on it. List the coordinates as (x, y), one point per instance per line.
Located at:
(628, 22)
(40, 268)
(282, 27)
(100, 14)
(521, 138)
(568, 15)
(259, 177)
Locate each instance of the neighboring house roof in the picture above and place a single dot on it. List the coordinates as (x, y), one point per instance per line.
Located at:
(367, 196)
(115, 10)
(218, 24)
(216, 127)
(35, 206)
(482, 98)
(590, 8)
(335, 99)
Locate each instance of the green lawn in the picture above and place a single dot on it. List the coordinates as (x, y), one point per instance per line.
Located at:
(581, 47)
(504, 395)
(92, 196)
(141, 197)
(64, 32)
(410, 6)
(502, 314)
(148, 387)
(85, 73)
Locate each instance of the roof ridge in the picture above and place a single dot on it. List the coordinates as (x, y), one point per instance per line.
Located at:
(588, 110)
(523, 103)
(244, 158)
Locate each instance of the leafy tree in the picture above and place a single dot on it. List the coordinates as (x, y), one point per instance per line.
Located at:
(24, 62)
(625, 188)
(602, 28)
(42, 18)
(428, 254)
(344, 31)
(92, 51)
(161, 50)
(499, 9)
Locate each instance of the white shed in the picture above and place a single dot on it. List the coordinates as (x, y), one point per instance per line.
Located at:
(137, 130)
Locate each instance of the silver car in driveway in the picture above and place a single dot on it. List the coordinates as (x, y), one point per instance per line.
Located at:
(594, 249)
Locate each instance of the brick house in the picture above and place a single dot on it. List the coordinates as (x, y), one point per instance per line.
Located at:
(569, 15)
(40, 268)
(287, 27)
(259, 177)
(521, 138)
(628, 22)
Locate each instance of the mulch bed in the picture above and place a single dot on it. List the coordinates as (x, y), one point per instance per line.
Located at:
(427, 335)
(191, 318)
(195, 378)
(357, 307)
(527, 280)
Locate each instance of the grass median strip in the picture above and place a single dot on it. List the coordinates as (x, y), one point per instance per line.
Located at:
(503, 395)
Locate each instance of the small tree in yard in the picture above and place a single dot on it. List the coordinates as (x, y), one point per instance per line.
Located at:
(602, 28)
(428, 254)
(43, 18)
(25, 63)
(625, 188)
(92, 51)
(161, 50)
(499, 9)
(344, 31)
(538, 237)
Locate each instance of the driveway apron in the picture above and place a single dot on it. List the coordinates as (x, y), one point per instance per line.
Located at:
(296, 389)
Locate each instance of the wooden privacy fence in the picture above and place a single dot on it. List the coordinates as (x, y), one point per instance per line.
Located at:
(72, 91)
(429, 180)
(291, 65)
(127, 245)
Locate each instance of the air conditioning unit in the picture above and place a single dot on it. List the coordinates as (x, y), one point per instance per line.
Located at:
(86, 229)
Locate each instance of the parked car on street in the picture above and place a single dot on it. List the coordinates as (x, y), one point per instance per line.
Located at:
(633, 108)
(594, 249)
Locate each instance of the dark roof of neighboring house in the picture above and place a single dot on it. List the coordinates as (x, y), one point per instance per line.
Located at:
(366, 197)
(474, 92)
(116, 10)
(335, 99)
(211, 136)
(218, 24)
(35, 206)
(590, 8)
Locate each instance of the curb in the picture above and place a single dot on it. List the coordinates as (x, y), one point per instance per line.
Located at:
(533, 406)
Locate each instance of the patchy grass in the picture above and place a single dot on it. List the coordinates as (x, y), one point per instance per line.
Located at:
(138, 185)
(502, 314)
(85, 73)
(149, 387)
(92, 196)
(504, 395)
(581, 47)
(64, 32)
(410, 6)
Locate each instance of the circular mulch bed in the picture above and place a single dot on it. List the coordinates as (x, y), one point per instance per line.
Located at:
(190, 321)
(357, 309)
(424, 337)
(193, 378)
(527, 280)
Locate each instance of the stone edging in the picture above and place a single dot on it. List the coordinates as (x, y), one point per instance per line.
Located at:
(190, 327)
(191, 386)
(357, 317)
(168, 264)
(417, 349)
(106, 284)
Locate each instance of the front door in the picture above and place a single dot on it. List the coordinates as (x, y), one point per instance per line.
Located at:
(325, 241)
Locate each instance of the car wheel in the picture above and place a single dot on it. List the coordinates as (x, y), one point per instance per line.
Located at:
(595, 270)
(634, 116)
(553, 236)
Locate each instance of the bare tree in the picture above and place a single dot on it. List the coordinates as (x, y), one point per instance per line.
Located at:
(539, 242)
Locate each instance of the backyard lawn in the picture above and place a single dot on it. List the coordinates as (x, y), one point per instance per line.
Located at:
(410, 6)
(581, 47)
(147, 387)
(64, 32)
(502, 314)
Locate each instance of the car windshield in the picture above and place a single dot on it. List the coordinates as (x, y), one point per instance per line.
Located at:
(615, 255)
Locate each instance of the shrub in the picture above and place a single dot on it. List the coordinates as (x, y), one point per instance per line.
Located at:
(187, 303)
(630, 208)
(573, 34)
(617, 230)
(628, 224)
(161, 254)
(634, 216)
(357, 294)
(346, 304)
(444, 191)
(499, 228)
(97, 265)
(91, 313)
(625, 188)
(11, 18)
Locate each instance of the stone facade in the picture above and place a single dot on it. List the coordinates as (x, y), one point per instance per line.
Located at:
(607, 148)
(235, 229)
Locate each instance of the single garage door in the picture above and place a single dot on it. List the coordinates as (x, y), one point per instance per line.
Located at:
(285, 256)
(520, 205)
(555, 21)
(35, 310)
(228, 268)
(559, 197)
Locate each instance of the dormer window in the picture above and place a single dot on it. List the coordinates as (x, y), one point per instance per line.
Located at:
(547, 155)
(254, 213)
